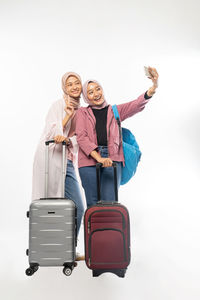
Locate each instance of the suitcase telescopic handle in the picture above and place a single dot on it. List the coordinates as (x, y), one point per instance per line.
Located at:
(47, 143)
(53, 141)
(98, 166)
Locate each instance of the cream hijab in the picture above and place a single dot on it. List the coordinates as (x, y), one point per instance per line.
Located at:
(73, 101)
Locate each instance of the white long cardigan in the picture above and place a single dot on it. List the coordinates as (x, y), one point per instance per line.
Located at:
(52, 128)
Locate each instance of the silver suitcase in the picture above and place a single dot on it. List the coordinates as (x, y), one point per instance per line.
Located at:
(52, 228)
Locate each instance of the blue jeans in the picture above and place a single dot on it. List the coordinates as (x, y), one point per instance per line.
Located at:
(89, 181)
(72, 191)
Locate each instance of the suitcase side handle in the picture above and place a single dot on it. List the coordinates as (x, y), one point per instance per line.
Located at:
(98, 166)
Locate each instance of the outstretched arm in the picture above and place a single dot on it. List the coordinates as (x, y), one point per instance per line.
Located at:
(69, 109)
(128, 109)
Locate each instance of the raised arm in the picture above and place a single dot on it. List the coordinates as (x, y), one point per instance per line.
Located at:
(128, 109)
(69, 110)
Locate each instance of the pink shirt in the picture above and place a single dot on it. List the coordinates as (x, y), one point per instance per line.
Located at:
(86, 132)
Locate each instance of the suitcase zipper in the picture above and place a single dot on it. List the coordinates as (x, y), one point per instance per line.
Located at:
(88, 227)
(89, 262)
(107, 210)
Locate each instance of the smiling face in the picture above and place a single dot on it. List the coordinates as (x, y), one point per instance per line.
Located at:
(73, 87)
(95, 93)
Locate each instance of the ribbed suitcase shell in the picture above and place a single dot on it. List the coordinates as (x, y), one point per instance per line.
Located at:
(52, 226)
(52, 232)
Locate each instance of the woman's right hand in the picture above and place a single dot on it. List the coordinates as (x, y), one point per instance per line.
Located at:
(107, 162)
(59, 139)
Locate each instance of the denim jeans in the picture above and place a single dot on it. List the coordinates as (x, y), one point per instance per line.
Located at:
(72, 192)
(89, 181)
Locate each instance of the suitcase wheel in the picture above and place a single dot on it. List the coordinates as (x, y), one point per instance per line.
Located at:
(27, 252)
(67, 271)
(30, 271)
(35, 268)
(27, 214)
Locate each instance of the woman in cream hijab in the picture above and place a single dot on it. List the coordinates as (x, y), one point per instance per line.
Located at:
(60, 126)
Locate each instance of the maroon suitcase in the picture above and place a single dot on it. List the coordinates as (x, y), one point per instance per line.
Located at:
(107, 234)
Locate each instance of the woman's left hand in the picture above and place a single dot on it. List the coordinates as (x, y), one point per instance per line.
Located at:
(154, 77)
(69, 109)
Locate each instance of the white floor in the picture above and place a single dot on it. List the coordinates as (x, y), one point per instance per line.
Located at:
(164, 265)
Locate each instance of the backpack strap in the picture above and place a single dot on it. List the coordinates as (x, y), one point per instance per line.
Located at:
(115, 111)
(117, 117)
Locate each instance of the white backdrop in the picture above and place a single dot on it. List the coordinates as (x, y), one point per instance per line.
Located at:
(109, 41)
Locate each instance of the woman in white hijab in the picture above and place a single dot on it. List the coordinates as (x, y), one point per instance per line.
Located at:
(60, 126)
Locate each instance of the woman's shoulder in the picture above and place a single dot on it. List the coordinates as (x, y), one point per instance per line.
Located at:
(58, 102)
(83, 109)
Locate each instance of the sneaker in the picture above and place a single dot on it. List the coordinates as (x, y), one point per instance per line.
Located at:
(79, 257)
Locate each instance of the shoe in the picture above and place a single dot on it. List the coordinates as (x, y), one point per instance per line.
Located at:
(79, 257)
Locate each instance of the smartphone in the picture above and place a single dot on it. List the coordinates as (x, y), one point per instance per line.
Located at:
(146, 70)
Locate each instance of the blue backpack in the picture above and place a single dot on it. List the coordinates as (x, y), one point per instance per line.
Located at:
(132, 153)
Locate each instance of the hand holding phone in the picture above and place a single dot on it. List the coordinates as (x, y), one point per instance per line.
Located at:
(147, 72)
(152, 74)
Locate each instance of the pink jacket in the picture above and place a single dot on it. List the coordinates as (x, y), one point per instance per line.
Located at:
(86, 132)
